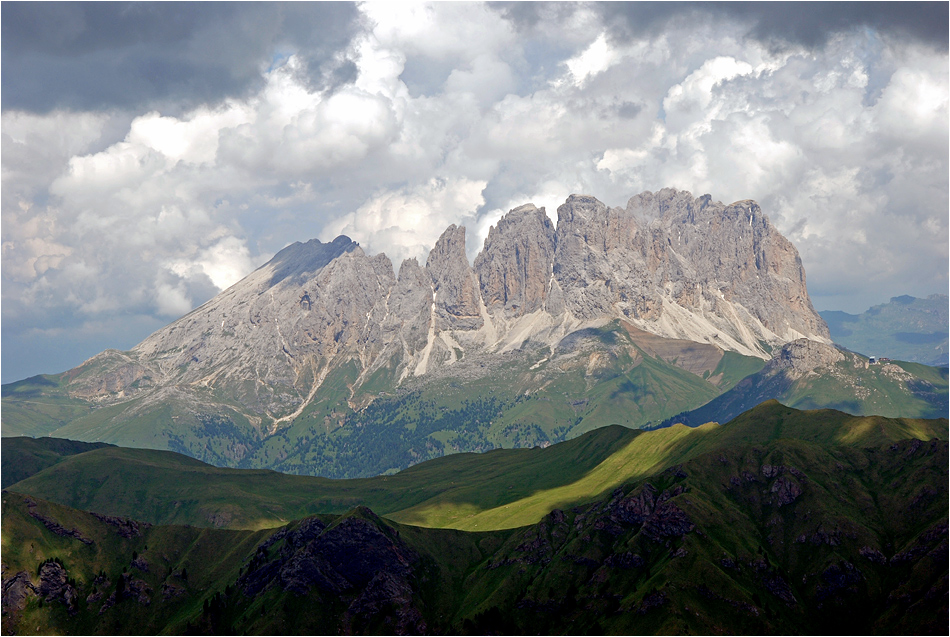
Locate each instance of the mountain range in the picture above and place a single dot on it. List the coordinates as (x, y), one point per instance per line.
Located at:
(324, 361)
(805, 374)
(905, 328)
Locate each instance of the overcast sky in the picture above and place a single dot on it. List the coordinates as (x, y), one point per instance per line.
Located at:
(154, 154)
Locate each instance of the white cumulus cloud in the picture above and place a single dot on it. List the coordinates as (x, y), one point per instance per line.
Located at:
(406, 223)
(453, 113)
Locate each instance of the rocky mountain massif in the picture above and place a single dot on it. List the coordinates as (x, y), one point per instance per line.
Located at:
(781, 521)
(668, 264)
(324, 360)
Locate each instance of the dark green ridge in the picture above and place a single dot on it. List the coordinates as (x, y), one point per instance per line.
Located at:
(22, 457)
(771, 420)
(164, 487)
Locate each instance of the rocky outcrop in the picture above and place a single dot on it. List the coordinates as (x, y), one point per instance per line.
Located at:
(358, 560)
(124, 526)
(785, 491)
(54, 586)
(17, 589)
(52, 525)
(656, 513)
(128, 588)
(802, 357)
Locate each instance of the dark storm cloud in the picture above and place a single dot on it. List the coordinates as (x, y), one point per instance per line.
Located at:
(176, 54)
(805, 23)
(811, 23)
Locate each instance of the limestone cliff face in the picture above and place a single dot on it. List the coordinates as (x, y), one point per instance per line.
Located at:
(684, 267)
(411, 304)
(514, 268)
(668, 264)
(600, 261)
(454, 284)
(735, 249)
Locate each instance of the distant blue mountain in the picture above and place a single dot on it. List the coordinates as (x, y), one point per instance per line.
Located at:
(906, 328)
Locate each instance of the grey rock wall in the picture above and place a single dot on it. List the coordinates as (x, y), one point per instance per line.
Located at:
(514, 267)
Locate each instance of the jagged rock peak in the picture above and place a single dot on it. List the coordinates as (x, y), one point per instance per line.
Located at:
(409, 267)
(649, 207)
(579, 208)
(454, 283)
(515, 264)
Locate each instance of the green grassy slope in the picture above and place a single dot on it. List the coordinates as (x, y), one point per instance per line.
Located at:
(877, 392)
(495, 490)
(41, 406)
(786, 536)
(22, 457)
(165, 487)
(38, 406)
(531, 397)
(654, 451)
